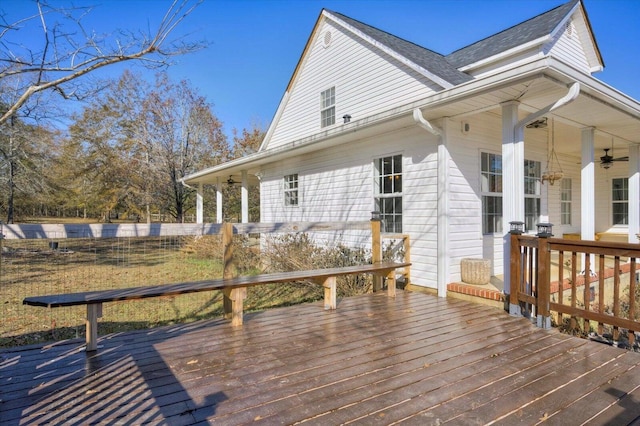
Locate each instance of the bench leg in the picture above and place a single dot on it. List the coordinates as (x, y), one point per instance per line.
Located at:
(330, 293)
(233, 304)
(391, 283)
(94, 311)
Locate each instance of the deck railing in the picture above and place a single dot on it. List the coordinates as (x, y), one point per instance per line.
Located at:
(595, 283)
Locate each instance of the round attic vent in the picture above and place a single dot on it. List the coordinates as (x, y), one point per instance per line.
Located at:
(326, 41)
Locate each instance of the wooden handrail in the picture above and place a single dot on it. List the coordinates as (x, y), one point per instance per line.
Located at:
(532, 284)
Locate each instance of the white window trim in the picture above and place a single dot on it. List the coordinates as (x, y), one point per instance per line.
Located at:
(286, 190)
(325, 108)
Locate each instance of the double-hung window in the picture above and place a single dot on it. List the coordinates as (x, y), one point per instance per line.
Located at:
(565, 201)
(620, 201)
(491, 192)
(291, 190)
(491, 188)
(532, 186)
(388, 199)
(328, 107)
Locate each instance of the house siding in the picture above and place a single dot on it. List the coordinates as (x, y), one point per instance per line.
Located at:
(337, 184)
(366, 80)
(567, 47)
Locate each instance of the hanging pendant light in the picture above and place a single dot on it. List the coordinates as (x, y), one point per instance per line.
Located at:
(553, 171)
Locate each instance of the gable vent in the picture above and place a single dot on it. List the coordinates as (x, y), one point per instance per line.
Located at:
(326, 40)
(569, 28)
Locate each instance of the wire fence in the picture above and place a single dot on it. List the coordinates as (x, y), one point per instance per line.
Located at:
(58, 259)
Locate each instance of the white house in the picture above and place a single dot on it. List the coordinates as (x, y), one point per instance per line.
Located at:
(450, 148)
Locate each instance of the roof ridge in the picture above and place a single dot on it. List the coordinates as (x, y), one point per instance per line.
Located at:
(436, 63)
(536, 26)
(383, 31)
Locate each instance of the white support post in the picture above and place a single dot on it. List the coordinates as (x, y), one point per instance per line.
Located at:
(443, 212)
(587, 189)
(199, 205)
(512, 180)
(245, 197)
(219, 217)
(634, 193)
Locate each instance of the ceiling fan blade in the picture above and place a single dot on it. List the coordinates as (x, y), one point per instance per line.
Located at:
(620, 159)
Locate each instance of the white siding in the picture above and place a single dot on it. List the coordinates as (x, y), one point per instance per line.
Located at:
(367, 81)
(337, 184)
(567, 47)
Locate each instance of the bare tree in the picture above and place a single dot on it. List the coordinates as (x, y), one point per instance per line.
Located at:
(68, 51)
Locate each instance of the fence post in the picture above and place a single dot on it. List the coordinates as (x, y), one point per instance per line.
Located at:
(543, 286)
(515, 269)
(376, 248)
(228, 271)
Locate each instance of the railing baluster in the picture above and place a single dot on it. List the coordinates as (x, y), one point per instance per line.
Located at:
(616, 295)
(632, 297)
(601, 292)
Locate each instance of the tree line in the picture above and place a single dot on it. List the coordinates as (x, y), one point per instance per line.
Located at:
(123, 154)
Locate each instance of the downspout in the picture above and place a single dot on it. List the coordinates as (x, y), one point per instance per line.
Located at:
(443, 202)
(571, 96)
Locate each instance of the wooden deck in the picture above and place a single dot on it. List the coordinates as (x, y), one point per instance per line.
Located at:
(415, 359)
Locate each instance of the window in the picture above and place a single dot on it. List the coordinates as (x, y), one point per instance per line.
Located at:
(388, 200)
(291, 190)
(328, 107)
(565, 201)
(620, 201)
(532, 186)
(491, 192)
(491, 188)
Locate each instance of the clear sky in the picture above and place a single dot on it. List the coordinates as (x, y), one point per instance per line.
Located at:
(256, 44)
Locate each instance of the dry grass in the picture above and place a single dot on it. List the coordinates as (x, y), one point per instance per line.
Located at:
(31, 267)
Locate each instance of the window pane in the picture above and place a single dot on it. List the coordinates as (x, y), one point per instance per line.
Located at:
(620, 201)
(491, 215)
(389, 186)
(291, 190)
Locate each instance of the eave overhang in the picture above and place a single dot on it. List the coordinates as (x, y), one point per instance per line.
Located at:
(595, 98)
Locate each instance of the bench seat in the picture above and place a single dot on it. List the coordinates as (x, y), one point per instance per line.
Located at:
(234, 289)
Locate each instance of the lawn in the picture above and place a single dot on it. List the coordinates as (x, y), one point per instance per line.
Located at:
(36, 267)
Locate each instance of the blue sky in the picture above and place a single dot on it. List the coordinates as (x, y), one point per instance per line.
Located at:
(256, 44)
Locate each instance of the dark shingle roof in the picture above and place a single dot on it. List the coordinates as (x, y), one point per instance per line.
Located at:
(427, 59)
(530, 30)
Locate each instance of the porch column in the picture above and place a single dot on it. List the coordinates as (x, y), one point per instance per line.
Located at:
(512, 180)
(443, 211)
(587, 187)
(218, 201)
(634, 193)
(245, 197)
(199, 205)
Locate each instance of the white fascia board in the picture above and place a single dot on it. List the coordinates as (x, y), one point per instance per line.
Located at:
(274, 121)
(597, 89)
(504, 55)
(425, 72)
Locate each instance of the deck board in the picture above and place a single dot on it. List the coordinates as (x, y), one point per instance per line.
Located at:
(415, 359)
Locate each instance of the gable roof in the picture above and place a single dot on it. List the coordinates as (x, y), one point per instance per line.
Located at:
(528, 31)
(425, 58)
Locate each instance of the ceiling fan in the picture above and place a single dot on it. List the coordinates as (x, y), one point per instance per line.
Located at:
(607, 160)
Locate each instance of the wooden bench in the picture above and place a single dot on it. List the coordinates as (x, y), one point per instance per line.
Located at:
(234, 290)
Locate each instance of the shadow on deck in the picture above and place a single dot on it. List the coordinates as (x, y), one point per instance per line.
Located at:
(415, 358)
